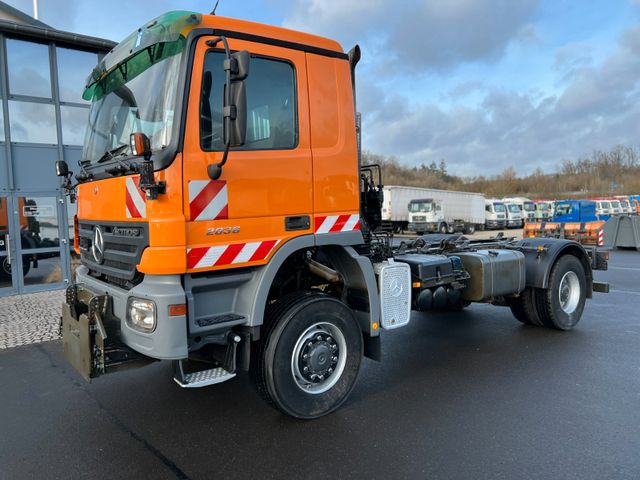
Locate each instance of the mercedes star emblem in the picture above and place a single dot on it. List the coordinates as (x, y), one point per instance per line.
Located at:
(98, 246)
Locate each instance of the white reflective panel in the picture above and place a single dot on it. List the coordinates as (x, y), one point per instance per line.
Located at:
(29, 71)
(32, 122)
(74, 122)
(1, 125)
(74, 66)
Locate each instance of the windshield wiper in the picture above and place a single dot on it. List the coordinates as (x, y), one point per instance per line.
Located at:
(121, 168)
(109, 154)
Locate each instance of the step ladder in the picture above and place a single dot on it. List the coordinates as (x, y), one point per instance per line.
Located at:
(203, 378)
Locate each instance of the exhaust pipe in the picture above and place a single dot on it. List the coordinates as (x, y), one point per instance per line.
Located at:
(329, 274)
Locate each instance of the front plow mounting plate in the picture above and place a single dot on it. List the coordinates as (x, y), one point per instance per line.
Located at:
(83, 332)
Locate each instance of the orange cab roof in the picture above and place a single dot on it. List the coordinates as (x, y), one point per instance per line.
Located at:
(269, 31)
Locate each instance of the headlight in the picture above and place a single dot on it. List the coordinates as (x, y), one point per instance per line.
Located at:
(141, 314)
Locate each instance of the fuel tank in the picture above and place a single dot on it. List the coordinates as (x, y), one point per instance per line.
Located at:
(494, 273)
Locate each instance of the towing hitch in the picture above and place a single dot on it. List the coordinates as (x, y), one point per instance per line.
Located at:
(90, 335)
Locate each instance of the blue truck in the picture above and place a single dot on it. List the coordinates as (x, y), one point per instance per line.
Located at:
(575, 211)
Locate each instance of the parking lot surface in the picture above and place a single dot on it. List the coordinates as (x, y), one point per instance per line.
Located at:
(467, 395)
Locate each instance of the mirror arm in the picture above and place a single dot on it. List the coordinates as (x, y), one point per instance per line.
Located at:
(214, 171)
(69, 188)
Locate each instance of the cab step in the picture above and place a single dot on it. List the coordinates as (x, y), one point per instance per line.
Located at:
(204, 378)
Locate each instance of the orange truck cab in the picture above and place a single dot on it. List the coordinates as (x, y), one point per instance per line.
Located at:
(225, 222)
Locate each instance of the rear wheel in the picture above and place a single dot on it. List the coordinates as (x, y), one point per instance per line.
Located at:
(309, 356)
(524, 309)
(561, 305)
(5, 267)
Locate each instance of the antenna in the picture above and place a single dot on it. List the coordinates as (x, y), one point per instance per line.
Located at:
(213, 12)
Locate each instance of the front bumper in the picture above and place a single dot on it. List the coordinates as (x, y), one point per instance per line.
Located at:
(169, 339)
(514, 223)
(496, 223)
(423, 227)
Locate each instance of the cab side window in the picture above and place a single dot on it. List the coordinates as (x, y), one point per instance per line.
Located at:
(271, 104)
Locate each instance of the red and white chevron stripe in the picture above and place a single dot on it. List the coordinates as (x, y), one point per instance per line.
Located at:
(208, 200)
(337, 223)
(601, 237)
(135, 202)
(203, 257)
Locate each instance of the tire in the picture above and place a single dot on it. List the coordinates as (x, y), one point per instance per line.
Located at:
(442, 228)
(470, 230)
(450, 229)
(292, 324)
(524, 308)
(561, 305)
(420, 233)
(5, 268)
(458, 306)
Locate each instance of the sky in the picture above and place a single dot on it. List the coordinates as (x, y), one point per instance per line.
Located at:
(482, 84)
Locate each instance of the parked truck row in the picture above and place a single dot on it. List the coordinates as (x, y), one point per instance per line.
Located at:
(427, 210)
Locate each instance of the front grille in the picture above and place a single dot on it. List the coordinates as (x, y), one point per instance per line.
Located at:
(123, 247)
(419, 218)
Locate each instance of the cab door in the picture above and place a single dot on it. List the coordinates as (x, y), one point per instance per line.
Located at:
(265, 194)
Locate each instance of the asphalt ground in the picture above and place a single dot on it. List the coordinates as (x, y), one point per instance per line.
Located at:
(469, 395)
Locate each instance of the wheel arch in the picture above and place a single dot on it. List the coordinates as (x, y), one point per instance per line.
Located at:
(538, 267)
(356, 270)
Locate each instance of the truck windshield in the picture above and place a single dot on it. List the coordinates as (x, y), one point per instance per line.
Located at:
(624, 204)
(563, 209)
(513, 208)
(606, 205)
(125, 104)
(422, 207)
(529, 207)
(615, 204)
(542, 206)
(499, 207)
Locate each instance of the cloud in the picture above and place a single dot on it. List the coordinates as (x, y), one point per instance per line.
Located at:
(415, 34)
(598, 108)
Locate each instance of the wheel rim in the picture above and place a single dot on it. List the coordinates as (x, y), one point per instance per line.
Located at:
(569, 292)
(6, 266)
(319, 358)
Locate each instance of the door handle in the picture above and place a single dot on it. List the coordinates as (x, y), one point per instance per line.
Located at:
(302, 222)
(7, 241)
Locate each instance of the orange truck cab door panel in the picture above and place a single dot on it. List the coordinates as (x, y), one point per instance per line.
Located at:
(265, 193)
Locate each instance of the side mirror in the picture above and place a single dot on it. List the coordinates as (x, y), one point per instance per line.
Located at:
(62, 169)
(140, 145)
(235, 111)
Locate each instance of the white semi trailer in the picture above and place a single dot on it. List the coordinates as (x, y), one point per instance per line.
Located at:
(445, 211)
(395, 214)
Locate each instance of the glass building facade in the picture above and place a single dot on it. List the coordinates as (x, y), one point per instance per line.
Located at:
(42, 119)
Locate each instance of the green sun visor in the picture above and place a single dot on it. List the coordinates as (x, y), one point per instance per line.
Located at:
(160, 38)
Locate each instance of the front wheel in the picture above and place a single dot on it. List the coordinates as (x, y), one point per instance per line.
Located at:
(309, 356)
(470, 230)
(442, 228)
(561, 305)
